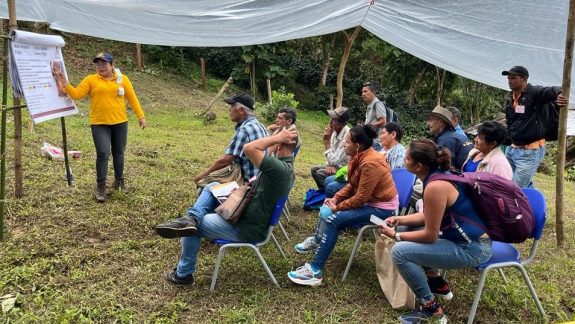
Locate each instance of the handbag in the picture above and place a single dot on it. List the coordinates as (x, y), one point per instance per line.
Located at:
(232, 172)
(233, 207)
(394, 287)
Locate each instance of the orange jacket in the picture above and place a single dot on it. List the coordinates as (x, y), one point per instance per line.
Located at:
(370, 180)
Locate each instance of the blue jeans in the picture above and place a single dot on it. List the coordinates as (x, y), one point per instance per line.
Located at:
(524, 164)
(412, 259)
(210, 226)
(332, 186)
(328, 229)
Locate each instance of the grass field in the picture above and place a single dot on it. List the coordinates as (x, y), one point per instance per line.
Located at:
(67, 258)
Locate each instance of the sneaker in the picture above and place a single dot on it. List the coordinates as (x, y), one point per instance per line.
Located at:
(439, 287)
(172, 277)
(307, 246)
(429, 313)
(180, 227)
(306, 276)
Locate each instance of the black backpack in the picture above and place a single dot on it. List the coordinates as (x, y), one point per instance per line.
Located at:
(391, 115)
(550, 114)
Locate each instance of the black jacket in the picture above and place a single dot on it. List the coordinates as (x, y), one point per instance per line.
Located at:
(530, 126)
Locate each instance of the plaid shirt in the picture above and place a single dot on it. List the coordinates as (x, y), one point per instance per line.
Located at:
(247, 130)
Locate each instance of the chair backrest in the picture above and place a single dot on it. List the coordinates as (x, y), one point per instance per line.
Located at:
(539, 207)
(295, 151)
(277, 212)
(404, 181)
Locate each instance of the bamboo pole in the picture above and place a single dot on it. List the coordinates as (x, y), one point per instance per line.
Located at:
(3, 134)
(18, 172)
(565, 91)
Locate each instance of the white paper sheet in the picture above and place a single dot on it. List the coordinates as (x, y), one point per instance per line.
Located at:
(31, 59)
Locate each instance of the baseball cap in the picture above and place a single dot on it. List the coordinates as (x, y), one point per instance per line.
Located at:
(517, 70)
(242, 98)
(339, 113)
(103, 56)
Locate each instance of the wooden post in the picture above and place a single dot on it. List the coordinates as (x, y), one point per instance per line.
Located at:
(18, 172)
(565, 90)
(139, 57)
(222, 90)
(269, 86)
(203, 71)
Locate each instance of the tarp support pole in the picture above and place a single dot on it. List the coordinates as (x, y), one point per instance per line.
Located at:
(3, 135)
(69, 177)
(562, 140)
(18, 171)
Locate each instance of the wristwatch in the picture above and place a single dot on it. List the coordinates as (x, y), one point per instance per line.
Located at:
(397, 237)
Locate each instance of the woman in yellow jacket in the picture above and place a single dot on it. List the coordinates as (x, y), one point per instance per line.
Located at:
(108, 90)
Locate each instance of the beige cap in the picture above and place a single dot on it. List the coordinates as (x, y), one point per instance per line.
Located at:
(443, 114)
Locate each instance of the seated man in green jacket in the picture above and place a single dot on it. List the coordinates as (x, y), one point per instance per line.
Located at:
(275, 181)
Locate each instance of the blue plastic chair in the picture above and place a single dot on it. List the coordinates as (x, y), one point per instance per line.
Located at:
(505, 255)
(288, 204)
(404, 181)
(225, 244)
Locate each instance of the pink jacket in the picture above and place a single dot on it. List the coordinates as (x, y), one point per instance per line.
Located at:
(494, 162)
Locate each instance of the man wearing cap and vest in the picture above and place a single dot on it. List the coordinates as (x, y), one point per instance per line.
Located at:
(333, 140)
(439, 124)
(524, 124)
(247, 129)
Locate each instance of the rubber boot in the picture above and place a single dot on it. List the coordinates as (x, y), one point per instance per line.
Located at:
(101, 192)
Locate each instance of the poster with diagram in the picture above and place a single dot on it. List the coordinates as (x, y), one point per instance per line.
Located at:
(32, 59)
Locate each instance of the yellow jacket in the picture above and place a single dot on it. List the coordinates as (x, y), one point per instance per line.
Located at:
(106, 106)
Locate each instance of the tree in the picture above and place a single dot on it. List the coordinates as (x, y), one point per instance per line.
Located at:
(348, 42)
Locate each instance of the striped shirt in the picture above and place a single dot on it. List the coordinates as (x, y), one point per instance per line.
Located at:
(247, 130)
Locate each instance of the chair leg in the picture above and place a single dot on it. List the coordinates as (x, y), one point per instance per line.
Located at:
(353, 252)
(532, 291)
(281, 251)
(478, 291)
(221, 255)
(265, 265)
(503, 276)
(286, 213)
(283, 231)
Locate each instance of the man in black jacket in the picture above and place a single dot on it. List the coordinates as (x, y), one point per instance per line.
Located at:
(526, 123)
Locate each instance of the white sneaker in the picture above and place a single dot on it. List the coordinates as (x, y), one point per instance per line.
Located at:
(307, 246)
(305, 275)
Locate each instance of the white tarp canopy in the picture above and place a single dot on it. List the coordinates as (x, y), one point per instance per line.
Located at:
(475, 39)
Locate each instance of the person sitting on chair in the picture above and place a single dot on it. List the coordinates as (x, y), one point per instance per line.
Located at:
(333, 140)
(274, 181)
(438, 245)
(487, 155)
(370, 191)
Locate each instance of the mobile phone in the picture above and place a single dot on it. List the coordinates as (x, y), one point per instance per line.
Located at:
(377, 221)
